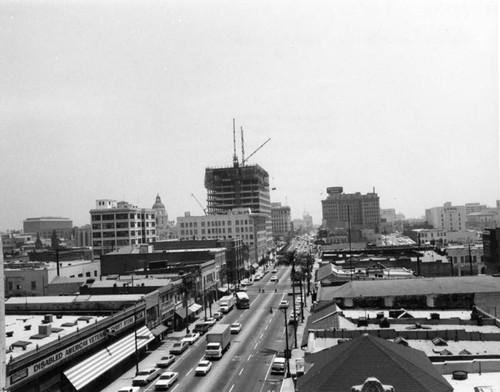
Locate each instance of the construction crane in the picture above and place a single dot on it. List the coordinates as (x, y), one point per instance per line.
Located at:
(262, 145)
(204, 209)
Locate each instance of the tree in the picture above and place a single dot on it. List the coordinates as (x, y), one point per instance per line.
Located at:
(54, 241)
(38, 242)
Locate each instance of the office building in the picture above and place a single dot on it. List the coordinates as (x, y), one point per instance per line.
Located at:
(116, 224)
(46, 225)
(281, 219)
(362, 211)
(237, 223)
(447, 217)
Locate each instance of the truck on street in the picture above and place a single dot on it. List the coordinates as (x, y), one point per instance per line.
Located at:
(226, 303)
(218, 341)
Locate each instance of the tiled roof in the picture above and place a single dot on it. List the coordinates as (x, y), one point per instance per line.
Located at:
(385, 288)
(338, 368)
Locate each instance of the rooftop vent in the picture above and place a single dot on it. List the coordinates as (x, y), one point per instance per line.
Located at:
(460, 375)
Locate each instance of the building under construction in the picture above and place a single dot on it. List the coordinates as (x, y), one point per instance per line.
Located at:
(239, 186)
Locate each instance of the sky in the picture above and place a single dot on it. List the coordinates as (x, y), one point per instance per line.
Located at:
(126, 99)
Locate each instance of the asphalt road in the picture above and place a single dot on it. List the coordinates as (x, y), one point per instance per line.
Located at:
(245, 367)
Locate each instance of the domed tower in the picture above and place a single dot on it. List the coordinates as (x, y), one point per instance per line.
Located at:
(161, 217)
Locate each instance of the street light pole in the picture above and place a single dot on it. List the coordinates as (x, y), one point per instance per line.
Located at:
(293, 295)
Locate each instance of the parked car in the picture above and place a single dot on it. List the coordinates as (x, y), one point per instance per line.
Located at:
(179, 347)
(203, 367)
(292, 319)
(191, 337)
(145, 376)
(283, 304)
(129, 388)
(201, 328)
(217, 315)
(165, 361)
(210, 321)
(235, 328)
(166, 380)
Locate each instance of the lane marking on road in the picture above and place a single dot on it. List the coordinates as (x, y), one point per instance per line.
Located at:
(174, 388)
(190, 370)
(254, 347)
(261, 336)
(231, 388)
(250, 356)
(241, 371)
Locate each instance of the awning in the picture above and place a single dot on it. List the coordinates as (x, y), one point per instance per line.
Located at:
(222, 289)
(158, 330)
(181, 312)
(195, 307)
(92, 367)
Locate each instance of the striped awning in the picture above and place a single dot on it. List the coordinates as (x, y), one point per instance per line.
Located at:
(92, 367)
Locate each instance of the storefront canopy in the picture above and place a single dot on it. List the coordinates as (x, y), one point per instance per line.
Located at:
(195, 307)
(91, 368)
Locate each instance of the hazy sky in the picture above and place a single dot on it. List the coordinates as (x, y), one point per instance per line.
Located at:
(127, 99)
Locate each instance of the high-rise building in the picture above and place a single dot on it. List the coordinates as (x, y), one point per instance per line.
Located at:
(120, 224)
(281, 218)
(46, 225)
(3, 354)
(362, 211)
(239, 187)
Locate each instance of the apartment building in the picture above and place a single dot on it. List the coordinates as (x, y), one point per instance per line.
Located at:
(281, 219)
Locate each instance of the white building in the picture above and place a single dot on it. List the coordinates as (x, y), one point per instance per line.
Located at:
(448, 217)
(162, 223)
(238, 223)
(116, 224)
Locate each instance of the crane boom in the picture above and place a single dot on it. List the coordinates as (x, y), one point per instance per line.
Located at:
(262, 145)
(204, 210)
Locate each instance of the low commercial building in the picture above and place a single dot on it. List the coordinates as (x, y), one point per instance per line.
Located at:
(71, 343)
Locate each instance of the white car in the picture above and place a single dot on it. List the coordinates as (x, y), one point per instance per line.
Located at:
(235, 328)
(145, 376)
(274, 278)
(191, 337)
(166, 380)
(129, 388)
(210, 321)
(203, 367)
(165, 361)
(283, 304)
(274, 271)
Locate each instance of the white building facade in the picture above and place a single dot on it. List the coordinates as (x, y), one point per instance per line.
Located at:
(447, 217)
(238, 223)
(117, 224)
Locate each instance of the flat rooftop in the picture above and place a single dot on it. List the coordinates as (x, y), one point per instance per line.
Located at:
(20, 340)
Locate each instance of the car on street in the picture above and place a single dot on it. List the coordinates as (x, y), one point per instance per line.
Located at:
(145, 376)
(274, 278)
(179, 347)
(292, 319)
(235, 328)
(201, 328)
(166, 380)
(129, 388)
(166, 361)
(191, 337)
(283, 304)
(203, 367)
(217, 315)
(210, 321)
(257, 277)
(274, 271)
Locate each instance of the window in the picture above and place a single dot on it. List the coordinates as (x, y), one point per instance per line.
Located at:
(96, 217)
(87, 274)
(11, 286)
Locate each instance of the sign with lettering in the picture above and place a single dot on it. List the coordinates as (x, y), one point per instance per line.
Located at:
(56, 358)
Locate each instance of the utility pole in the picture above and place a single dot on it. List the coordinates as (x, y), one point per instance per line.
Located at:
(470, 261)
(349, 234)
(293, 295)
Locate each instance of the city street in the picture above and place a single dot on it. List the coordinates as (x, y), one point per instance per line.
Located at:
(246, 364)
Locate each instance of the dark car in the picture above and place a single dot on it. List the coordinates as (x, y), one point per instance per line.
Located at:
(201, 328)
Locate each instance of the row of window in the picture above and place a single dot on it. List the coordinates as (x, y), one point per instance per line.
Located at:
(123, 216)
(122, 233)
(218, 223)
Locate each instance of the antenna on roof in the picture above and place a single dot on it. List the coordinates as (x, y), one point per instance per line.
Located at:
(235, 158)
